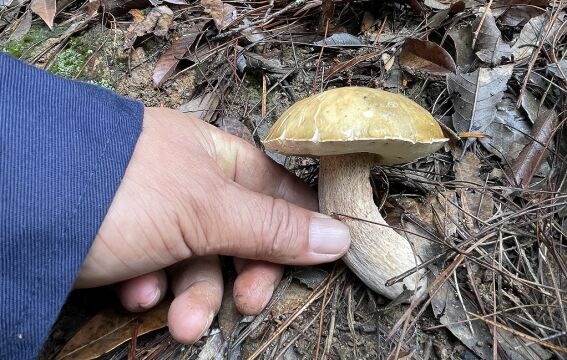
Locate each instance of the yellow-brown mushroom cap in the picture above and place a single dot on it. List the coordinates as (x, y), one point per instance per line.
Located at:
(357, 119)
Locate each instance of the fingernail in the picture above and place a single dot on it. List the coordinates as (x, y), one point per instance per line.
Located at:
(153, 298)
(328, 236)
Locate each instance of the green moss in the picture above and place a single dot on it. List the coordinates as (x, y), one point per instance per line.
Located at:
(13, 48)
(35, 37)
(69, 62)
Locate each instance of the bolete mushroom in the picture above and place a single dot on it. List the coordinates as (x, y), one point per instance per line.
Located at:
(352, 129)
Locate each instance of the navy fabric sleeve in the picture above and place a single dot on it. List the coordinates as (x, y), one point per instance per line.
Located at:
(64, 147)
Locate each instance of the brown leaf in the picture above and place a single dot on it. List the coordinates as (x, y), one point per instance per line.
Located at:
(534, 153)
(203, 106)
(137, 14)
(111, 328)
(45, 9)
(422, 56)
(22, 28)
(157, 22)
(327, 9)
(92, 7)
(237, 128)
(168, 61)
(518, 12)
(223, 14)
(489, 46)
(474, 201)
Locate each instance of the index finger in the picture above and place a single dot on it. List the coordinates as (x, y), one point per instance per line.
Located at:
(254, 170)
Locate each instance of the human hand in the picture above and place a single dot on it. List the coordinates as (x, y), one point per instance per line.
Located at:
(192, 192)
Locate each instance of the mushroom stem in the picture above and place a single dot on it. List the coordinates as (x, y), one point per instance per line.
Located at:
(377, 253)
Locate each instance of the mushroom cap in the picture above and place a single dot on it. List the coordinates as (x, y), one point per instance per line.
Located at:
(357, 119)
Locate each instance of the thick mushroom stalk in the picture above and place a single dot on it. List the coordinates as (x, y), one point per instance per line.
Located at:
(377, 253)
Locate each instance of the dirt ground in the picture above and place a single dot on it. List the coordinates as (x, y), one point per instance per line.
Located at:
(485, 212)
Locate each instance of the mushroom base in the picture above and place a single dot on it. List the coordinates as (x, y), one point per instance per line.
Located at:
(377, 253)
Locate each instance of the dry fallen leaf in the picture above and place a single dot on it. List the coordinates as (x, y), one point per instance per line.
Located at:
(223, 14)
(340, 40)
(252, 33)
(532, 33)
(204, 106)
(234, 127)
(559, 69)
(475, 96)
(253, 61)
(111, 328)
(422, 56)
(448, 307)
(137, 14)
(507, 130)
(168, 61)
(441, 16)
(439, 5)
(45, 9)
(518, 12)
(474, 202)
(22, 28)
(489, 46)
(535, 152)
(213, 348)
(157, 21)
(462, 38)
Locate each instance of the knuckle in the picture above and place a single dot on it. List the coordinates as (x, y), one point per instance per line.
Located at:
(279, 231)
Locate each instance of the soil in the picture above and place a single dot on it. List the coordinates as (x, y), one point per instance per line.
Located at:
(356, 322)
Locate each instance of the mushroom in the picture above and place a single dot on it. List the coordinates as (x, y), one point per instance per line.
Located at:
(352, 129)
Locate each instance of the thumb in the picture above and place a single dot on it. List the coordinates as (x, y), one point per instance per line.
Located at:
(258, 226)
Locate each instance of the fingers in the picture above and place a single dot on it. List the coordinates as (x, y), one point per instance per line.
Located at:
(197, 285)
(246, 224)
(249, 167)
(255, 284)
(143, 292)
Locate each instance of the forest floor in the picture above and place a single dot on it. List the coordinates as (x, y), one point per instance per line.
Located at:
(486, 214)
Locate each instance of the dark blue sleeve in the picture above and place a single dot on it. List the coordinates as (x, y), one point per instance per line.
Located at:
(64, 147)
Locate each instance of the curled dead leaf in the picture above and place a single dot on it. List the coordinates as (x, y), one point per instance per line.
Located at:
(204, 106)
(223, 14)
(168, 61)
(111, 328)
(533, 32)
(340, 40)
(536, 151)
(45, 9)
(157, 21)
(422, 56)
(518, 12)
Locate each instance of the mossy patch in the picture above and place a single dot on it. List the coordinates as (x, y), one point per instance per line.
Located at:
(70, 62)
(30, 43)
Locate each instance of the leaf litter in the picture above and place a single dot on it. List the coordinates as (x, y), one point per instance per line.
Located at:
(484, 216)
